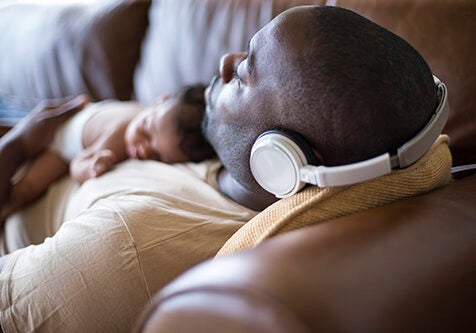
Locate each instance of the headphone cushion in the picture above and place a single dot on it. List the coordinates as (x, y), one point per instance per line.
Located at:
(276, 160)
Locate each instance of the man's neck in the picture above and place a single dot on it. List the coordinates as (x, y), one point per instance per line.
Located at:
(235, 191)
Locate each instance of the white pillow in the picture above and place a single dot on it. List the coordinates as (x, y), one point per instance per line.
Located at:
(187, 38)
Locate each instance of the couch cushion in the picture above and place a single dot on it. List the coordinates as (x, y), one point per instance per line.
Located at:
(53, 51)
(443, 32)
(187, 38)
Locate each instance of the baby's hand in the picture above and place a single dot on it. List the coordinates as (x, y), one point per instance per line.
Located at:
(101, 162)
(90, 164)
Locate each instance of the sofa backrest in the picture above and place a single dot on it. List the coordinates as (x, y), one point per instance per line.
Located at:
(57, 51)
(187, 38)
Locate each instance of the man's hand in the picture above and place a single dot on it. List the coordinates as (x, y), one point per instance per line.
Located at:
(36, 131)
(31, 136)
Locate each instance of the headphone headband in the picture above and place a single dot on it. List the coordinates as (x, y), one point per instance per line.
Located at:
(414, 149)
(280, 166)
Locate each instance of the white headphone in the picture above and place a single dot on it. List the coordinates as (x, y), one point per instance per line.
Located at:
(282, 162)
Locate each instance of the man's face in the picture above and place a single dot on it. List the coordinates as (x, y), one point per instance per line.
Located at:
(245, 100)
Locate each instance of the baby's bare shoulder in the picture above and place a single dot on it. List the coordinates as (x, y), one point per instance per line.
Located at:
(109, 120)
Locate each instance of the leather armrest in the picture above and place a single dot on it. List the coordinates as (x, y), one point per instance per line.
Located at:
(407, 266)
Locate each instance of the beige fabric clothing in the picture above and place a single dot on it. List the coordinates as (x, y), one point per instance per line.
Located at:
(39, 220)
(315, 205)
(68, 140)
(127, 234)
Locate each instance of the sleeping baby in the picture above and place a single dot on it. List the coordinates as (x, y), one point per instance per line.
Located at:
(106, 133)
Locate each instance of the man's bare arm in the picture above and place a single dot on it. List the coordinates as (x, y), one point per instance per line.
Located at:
(31, 136)
(37, 177)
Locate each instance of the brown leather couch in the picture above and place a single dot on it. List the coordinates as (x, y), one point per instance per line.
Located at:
(406, 266)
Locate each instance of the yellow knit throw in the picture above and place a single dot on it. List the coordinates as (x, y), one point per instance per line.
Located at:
(314, 205)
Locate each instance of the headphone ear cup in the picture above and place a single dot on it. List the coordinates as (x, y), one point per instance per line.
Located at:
(275, 162)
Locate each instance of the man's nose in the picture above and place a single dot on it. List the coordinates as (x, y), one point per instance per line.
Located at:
(228, 63)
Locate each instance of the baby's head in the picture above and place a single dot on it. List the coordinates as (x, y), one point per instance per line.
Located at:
(170, 131)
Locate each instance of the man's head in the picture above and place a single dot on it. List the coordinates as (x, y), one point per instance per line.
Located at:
(352, 89)
(170, 131)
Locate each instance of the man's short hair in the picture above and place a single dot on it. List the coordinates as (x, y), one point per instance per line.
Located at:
(359, 89)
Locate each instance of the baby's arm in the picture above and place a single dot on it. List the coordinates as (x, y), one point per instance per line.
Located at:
(92, 163)
(39, 174)
(103, 137)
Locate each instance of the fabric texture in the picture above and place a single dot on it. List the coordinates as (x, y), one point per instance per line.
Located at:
(126, 235)
(175, 55)
(34, 223)
(314, 205)
(68, 140)
(70, 49)
(10, 115)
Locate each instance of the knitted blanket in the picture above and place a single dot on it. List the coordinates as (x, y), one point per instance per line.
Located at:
(314, 205)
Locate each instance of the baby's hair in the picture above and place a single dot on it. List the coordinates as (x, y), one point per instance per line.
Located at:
(193, 143)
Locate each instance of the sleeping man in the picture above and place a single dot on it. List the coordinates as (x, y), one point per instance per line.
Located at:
(340, 87)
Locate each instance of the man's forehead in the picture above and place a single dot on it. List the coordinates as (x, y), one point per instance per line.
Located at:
(287, 30)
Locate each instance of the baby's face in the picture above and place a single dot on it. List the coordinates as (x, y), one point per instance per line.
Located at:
(155, 134)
